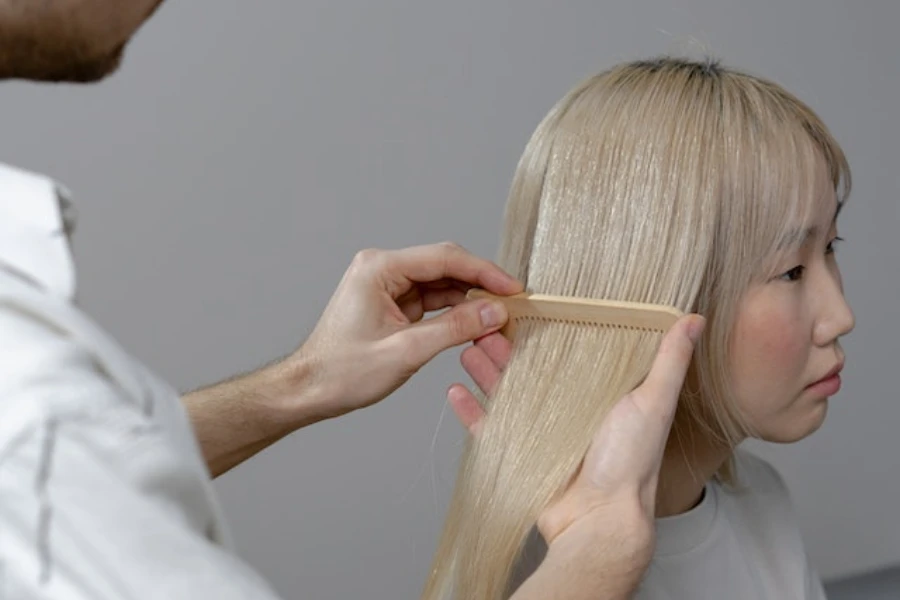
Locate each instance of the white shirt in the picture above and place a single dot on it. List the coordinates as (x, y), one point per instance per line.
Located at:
(104, 494)
(738, 544)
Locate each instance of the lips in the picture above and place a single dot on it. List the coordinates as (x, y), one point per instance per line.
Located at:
(835, 370)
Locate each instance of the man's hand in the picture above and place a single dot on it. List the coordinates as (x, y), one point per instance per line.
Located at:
(372, 336)
(600, 533)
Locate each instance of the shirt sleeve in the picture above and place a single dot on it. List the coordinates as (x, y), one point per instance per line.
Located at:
(95, 500)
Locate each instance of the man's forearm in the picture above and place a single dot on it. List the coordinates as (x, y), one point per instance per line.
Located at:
(237, 418)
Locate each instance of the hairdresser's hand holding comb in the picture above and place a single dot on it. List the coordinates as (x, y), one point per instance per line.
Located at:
(373, 336)
(600, 533)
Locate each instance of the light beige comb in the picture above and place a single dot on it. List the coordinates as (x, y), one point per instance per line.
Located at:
(652, 317)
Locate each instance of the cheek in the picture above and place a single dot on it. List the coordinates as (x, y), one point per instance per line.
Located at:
(769, 357)
(772, 342)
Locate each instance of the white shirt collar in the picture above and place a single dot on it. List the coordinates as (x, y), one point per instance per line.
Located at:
(35, 222)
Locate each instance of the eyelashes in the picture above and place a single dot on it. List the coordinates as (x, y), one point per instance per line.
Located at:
(830, 248)
(796, 273)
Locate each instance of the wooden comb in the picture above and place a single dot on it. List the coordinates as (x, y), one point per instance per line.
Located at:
(635, 315)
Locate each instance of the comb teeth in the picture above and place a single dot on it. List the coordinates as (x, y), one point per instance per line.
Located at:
(583, 311)
(535, 319)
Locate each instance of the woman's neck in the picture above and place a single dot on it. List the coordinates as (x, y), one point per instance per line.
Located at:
(688, 464)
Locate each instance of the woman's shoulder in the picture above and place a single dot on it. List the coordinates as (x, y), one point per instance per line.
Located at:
(758, 488)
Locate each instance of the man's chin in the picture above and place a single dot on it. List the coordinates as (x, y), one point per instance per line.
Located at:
(85, 71)
(71, 68)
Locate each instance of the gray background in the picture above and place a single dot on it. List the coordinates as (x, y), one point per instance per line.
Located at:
(227, 175)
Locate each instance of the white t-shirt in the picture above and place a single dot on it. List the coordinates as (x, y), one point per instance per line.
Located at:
(737, 544)
(741, 544)
(104, 494)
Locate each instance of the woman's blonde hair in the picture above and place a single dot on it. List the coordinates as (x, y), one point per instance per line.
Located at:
(665, 181)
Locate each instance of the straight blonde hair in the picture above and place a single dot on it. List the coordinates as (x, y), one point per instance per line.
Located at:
(665, 181)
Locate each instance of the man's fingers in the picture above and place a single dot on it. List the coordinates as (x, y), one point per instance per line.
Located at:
(448, 261)
(481, 368)
(658, 394)
(417, 302)
(497, 348)
(438, 299)
(463, 323)
(466, 408)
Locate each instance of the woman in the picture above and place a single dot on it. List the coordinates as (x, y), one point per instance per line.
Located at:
(679, 183)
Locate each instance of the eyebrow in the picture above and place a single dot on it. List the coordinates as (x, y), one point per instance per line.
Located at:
(796, 238)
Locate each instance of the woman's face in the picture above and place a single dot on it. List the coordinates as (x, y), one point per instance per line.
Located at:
(786, 355)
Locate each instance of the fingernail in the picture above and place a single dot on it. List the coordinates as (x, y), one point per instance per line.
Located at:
(513, 279)
(493, 314)
(696, 329)
(515, 283)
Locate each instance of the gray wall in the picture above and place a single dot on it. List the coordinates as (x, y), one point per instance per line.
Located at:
(227, 175)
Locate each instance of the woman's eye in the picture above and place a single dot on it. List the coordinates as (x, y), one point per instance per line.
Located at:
(830, 248)
(795, 274)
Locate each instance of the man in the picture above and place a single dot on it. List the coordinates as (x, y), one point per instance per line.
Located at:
(104, 470)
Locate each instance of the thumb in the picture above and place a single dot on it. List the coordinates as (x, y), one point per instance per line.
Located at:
(463, 323)
(658, 394)
(628, 447)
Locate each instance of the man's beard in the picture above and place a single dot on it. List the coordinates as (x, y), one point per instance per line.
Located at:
(36, 61)
(49, 51)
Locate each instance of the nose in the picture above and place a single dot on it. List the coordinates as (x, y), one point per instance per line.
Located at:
(835, 318)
